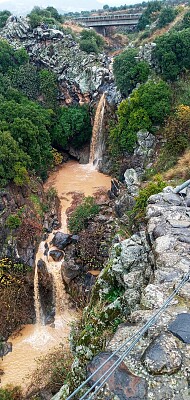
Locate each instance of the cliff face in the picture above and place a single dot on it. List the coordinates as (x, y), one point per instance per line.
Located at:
(81, 76)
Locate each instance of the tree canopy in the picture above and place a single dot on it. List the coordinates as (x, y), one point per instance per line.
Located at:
(128, 71)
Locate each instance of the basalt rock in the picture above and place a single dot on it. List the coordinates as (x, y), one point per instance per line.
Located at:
(122, 383)
(81, 76)
(61, 240)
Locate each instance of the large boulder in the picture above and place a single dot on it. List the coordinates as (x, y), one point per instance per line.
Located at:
(61, 240)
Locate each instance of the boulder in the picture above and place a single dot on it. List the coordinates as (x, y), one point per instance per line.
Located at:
(180, 327)
(61, 240)
(57, 255)
(162, 356)
(122, 383)
(132, 181)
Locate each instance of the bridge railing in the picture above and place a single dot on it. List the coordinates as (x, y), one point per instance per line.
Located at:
(109, 17)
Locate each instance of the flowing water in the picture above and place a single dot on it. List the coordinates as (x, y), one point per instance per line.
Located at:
(97, 144)
(38, 339)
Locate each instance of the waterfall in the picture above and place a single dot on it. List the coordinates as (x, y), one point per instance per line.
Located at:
(96, 147)
(37, 303)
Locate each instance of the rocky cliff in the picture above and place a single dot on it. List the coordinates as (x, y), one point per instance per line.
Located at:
(81, 76)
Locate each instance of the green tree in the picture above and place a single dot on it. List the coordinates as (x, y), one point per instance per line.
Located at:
(4, 15)
(26, 79)
(74, 127)
(172, 53)
(166, 16)
(149, 15)
(90, 41)
(128, 71)
(48, 88)
(147, 106)
(10, 156)
(186, 20)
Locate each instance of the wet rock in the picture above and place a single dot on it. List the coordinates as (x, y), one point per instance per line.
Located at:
(75, 238)
(180, 327)
(70, 269)
(122, 382)
(57, 255)
(132, 182)
(6, 347)
(61, 240)
(124, 203)
(162, 356)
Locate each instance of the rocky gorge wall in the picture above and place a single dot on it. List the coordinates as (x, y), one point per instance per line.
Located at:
(142, 272)
(81, 76)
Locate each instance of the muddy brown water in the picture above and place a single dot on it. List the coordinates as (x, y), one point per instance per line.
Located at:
(36, 340)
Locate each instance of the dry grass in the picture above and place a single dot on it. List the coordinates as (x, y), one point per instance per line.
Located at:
(182, 168)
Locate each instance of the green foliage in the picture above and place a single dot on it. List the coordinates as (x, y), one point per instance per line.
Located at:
(13, 221)
(149, 15)
(147, 106)
(26, 79)
(11, 393)
(166, 16)
(90, 41)
(11, 58)
(113, 294)
(138, 212)
(128, 71)
(73, 127)
(48, 15)
(186, 20)
(172, 53)
(10, 156)
(79, 218)
(4, 15)
(48, 88)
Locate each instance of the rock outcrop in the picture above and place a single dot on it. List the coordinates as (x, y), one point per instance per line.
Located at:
(81, 76)
(162, 356)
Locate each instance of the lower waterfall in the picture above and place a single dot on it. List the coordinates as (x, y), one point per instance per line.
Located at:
(96, 147)
(36, 340)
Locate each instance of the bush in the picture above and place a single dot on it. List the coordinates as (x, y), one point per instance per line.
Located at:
(147, 106)
(166, 16)
(172, 54)
(79, 218)
(137, 214)
(149, 15)
(13, 221)
(128, 71)
(88, 46)
(90, 41)
(11, 393)
(73, 127)
(4, 15)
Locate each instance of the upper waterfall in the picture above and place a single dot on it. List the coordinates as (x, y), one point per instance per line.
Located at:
(96, 147)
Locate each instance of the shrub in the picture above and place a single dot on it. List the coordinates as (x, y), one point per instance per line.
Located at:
(88, 46)
(137, 214)
(90, 41)
(4, 15)
(166, 16)
(128, 71)
(73, 127)
(147, 106)
(172, 53)
(11, 393)
(79, 218)
(57, 157)
(13, 221)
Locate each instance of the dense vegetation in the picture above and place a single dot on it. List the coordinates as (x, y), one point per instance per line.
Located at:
(48, 16)
(90, 41)
(128, 71)
(30, 119)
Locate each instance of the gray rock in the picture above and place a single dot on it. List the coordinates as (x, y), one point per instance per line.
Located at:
(132, 181)
(181, 327)
(162, 356)
(61, 240)
(57, 255)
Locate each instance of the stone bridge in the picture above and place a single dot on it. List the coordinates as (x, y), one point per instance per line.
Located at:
(101, 22)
